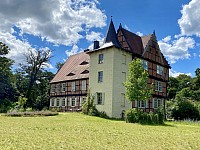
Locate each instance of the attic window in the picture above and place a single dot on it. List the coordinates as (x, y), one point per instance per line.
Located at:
(84, 63)
(70, 74)
(85, 72)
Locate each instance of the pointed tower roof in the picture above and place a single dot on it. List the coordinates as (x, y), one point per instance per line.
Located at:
(111, 35)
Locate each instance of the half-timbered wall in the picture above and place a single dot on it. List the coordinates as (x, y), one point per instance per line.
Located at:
(74, 92)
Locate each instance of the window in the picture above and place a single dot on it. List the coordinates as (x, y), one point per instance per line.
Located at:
(145, 64)
(159, 70)
(100, 76)
(58, 102)
(122, 99)
(63, 102)
(53, 88)
(123, 59)
(73, 86)
(83, 85)
(141, 104)
(82, 100)
(100, 58)
(99, 99)
(73, 102)
(58, 88)
(123, 77)
(52, 102)
(158, 86)
(157, 103)
(64, 87)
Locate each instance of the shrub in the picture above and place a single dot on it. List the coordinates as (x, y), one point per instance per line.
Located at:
(138, 116)
(88, 107)
(185, 109)
(31, 114)
(103, 114)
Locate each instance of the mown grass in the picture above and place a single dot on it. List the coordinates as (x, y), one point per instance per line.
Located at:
(77, 131)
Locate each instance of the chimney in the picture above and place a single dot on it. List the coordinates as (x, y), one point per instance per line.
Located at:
(96, 44)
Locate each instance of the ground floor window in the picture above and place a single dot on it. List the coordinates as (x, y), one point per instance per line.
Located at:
(82, 100)
(63, 102)
(52, 102)
(99, 98)
(73, 102)
(157, 102)
(141, 104)
(58, 102)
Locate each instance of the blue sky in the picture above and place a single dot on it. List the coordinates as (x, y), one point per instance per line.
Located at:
(70, 26)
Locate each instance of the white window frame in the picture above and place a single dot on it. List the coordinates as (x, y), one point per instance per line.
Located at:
(101, 58)
(52, 102)
(73, 101)
(83, 85)
(141, 104)
(63, 87)
(53, 88)
(82, 100)
(157, 102)
(58, 88)
(159, 69)
(100, 76)
(145, 64)
(57, 102)
(63, 102)
(73, 86)
(158, 86)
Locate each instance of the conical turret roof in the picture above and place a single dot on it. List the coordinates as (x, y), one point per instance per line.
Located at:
(111, 35)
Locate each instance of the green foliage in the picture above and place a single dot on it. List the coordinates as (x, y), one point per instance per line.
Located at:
(138, 116)
(89, 107)
(136, 85)
(185, 109)
(5, 105)
(21, 102)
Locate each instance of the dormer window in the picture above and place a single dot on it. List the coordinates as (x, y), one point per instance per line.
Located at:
(71, 74)
(85, 72)
(84, 63)
(100, 58)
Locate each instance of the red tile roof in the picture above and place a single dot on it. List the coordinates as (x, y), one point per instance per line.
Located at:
(76, 65)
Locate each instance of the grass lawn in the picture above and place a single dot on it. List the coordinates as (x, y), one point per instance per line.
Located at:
(77, 131)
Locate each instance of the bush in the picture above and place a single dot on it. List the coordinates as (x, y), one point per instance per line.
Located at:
(185, 109)
(103, 114)
(31, 114)
(138, 116)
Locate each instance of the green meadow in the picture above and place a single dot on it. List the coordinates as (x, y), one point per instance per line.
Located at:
(78, 131)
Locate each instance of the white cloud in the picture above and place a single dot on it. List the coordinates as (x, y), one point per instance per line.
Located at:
(92, 36)
(127, 28)
(73, 51)
(18, 48)
(173, 73)
(190, 21)
(166, 39)
(139, 33)
(177, 49)
(56, 21)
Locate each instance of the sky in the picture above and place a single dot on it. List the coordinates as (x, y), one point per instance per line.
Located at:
(68, 27)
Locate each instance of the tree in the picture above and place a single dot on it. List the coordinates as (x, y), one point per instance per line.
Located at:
(36, 61)
(59, 65)
(137, 83)
(8, 91)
